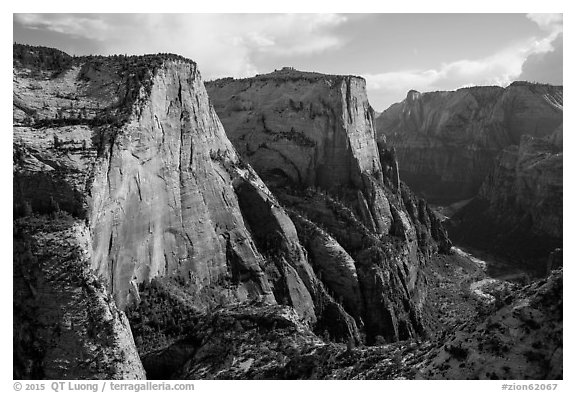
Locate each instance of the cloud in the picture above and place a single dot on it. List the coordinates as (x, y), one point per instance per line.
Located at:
(76, 26)
(547, 22)
(538, 58)
(222, 44)
(545, 67)
(292, 34)
(499, 69)
(496, 69)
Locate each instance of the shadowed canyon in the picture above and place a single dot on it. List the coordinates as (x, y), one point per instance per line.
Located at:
(272, 227)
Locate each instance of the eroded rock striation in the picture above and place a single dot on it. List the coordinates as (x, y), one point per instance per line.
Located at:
(212, 265)
(447, 142)
(311, 138)
(155, 183)
(131, 146)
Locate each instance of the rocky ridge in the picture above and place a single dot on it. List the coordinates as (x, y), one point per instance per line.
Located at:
(517, 337)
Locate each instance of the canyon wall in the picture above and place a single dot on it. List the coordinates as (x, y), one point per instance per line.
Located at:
(447, 142)
(518, 210)
(311, 138)
(131, 148)
(310, 129)
(163, 200)
(155, 186)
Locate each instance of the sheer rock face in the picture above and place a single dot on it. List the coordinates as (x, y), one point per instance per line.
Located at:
(66, 324)
(160, 192)
(163, 200)
(529, 177)
(446, 142)
(312, 129)
(305, 130)
(521, 202)
(162, 189)
(164, 193)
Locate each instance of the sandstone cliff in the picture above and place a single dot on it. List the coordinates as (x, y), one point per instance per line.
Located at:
(132, 146)
(307, 128)
(155, 185)
(446, 142)
(128, 196)
(311, 138)
(518, 211)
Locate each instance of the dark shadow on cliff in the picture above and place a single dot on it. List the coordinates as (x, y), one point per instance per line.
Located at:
(511, 240)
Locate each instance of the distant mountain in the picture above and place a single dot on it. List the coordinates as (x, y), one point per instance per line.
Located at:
(447, 141)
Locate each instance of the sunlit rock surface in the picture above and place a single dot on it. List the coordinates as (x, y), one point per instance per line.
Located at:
(447, 141)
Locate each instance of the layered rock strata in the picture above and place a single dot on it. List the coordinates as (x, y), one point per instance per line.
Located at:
(132, 147)
(447, 141)
(311, 138)
(143, 160)
(160, 186)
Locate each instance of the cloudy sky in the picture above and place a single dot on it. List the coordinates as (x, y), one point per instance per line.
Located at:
(394, 52)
